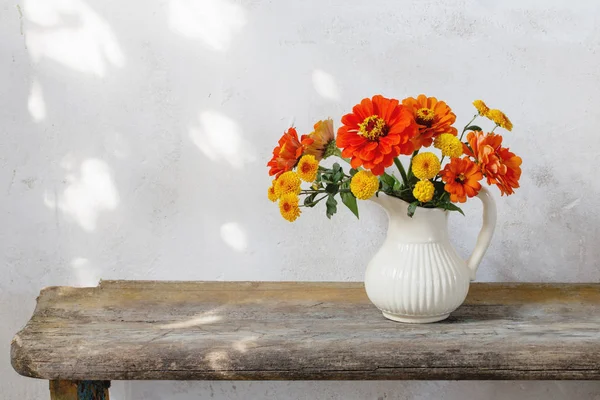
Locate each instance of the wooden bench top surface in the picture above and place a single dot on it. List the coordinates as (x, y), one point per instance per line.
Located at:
(308, 331)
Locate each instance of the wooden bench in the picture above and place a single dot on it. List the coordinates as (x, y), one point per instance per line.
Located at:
(82, 338)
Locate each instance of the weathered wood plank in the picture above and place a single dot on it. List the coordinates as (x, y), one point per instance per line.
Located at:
(303, 330)
(82, 390)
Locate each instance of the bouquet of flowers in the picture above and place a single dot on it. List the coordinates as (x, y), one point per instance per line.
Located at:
(371, 139)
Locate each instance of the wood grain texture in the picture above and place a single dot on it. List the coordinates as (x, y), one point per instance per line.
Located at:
(309, 331)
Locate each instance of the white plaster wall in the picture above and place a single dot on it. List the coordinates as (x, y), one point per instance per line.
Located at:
(134, 137)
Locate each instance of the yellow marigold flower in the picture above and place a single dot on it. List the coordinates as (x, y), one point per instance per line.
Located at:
(288, 182)
(426, 165)
(288, 206)
(308, 167)
(481, 107)
(423, 191)
(500, 119)
(364, 185)
(271, 194)
(449, 144)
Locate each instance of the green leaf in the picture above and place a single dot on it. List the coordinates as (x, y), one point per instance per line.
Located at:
(453, 207)
(331, 188)
(338, 176)
(331, 206)
(336, 167)
(350, 201)
(473, 128)
(397, 184)
(309, 201)
(388, 179)
(412, 207)
(353, 171)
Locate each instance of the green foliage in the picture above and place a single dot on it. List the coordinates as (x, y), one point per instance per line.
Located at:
(309, 201)
(333, 181)
(412, 207)
(338, 173)
(331, 205)
(348, 199)
(452, 207)
(390, 184)
(441, 198)
(473, 128)
(329, 183)
(332, 188)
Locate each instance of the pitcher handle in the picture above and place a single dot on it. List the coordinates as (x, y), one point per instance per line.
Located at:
(486, 232)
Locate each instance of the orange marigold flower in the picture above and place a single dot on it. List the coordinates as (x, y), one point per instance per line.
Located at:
(308, 166)
(425, 165)
(500, 119)
(481, 107)
(288, 206)
(286, 155)
(462, 177)
(498, 164)
(434, 118)
(271, 194)
(377, 131)
(323, 140)
(424, 191)
(288, 182)
(364, 185)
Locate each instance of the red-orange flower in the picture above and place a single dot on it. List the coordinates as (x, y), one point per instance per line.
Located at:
(286, 155)
(376, 131)
(500, 166)
(462, 177)
(434, 118)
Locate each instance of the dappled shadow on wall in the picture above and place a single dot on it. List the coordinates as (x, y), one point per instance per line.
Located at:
(84, 273)
(89, 192)
(325, 85)
(220, 139)
(234, 236)
(36, 105)
(215, 22)
(71, 33)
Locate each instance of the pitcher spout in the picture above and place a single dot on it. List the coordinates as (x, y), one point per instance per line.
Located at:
(425, 225)
(388, 203)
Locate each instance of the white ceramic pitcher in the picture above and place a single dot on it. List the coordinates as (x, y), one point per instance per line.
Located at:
(417, 276)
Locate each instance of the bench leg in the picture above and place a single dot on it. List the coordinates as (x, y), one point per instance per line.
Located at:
(79, 390)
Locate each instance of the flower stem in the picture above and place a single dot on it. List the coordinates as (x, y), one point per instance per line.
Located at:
(410, 173)
(318, 200)
(466, 126)
(323, 191)
(314, 203)
(402, 171)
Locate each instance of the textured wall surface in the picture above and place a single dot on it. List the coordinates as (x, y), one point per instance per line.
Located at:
(134, 137)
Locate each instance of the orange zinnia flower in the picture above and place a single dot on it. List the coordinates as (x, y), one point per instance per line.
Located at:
(322, 136)
(462, 177)
(434, 118)
(377, 131)
(286, 155)
(500, 166)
